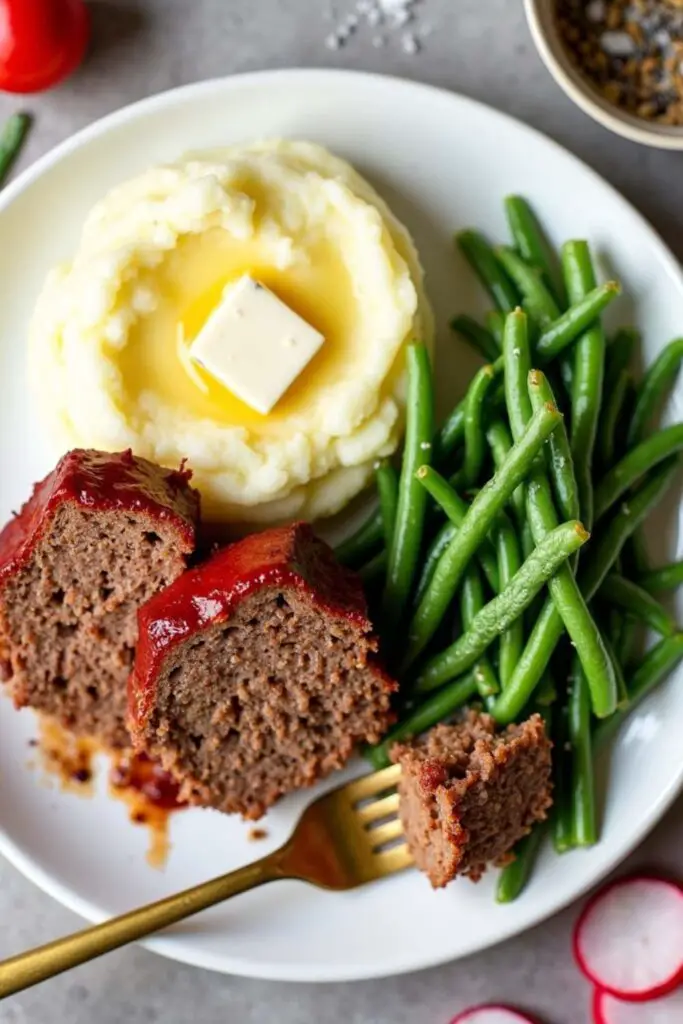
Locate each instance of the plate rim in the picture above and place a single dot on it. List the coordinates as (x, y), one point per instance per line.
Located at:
(173, 946)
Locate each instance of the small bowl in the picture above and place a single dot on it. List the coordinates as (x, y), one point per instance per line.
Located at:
(540, 15)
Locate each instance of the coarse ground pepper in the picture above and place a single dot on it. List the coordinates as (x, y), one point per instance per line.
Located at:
(631, 50)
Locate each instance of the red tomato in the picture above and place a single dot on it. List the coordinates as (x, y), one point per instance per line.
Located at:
(41, 42)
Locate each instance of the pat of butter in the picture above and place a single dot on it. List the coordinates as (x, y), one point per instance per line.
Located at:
(254, 344)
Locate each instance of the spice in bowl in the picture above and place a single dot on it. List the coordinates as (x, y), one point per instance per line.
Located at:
(632, 52)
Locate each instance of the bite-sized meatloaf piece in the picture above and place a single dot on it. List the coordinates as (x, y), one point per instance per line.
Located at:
(255, 673)
(98, 537)
(469, 793)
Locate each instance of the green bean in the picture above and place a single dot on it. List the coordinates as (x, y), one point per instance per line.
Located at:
(11, 140)
(589, 369)
(538, 302)
(375, 569)
(607, 545)
(456, 508)
(542, 516)
(667, 577)
(450, 436)
(655, 383)
(434, 552)
(509, 564)
(500, 443)
(659, 661)
(362, 543)
(427, 714)
(548, 628)
(482, 513)
(637, 602)
(620, 349)
(635, 464)
(386, 479)
(611, 415)
(476, 336)
(495, 323)
(504, 609)
(474, 428)
(481, 258)
(559, 456)
(514, 877)
(562, 822)
(517, 357)
(406, 541)
(584, 818)
(622, 692)
(533, 246)
(546, 694)
(566, 328)
(471, 603)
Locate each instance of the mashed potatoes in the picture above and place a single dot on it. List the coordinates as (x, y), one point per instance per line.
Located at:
(110, 336)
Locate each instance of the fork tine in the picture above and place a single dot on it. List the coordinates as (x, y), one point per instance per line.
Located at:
(384, 808)
(395, 859)
(369, 785)
(385, 833)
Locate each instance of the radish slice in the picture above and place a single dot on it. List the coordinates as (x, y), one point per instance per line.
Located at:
(608, 1010)
(629, 938)
(491, 1015)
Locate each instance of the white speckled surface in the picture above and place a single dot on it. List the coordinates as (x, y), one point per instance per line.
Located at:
(481, 49)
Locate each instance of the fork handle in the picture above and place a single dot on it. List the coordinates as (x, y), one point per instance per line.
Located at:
(36, 965)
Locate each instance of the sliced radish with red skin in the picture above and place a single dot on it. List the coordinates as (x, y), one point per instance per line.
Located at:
(629, 938)
(667, 1010)
(491, 1015)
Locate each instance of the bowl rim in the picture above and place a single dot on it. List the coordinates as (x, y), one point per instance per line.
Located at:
(628, 126)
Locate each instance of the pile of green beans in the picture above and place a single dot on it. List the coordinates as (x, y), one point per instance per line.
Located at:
(489, 587)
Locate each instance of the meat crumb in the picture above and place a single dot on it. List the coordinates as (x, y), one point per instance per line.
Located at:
(254, 835)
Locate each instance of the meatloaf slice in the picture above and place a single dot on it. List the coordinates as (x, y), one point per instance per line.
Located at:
(468, 793)
(99, 536)
(255, 672)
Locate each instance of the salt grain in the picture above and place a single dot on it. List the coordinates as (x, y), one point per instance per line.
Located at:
(618, 44)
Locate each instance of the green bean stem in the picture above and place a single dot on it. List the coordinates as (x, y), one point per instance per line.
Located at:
(482, 513)
(533, 246)
(667, 577)
(406, 541)
(587, 381)
(583, 312)
(481, 258)
(476, 336)
(427, 714)
(584, 819)
(637, 602)
(635, 464)
(656, 382)
(504, 609)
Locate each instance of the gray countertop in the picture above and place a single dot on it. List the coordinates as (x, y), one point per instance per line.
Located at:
(481, 48)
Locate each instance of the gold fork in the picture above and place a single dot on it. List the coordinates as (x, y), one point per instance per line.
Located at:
(341, 841)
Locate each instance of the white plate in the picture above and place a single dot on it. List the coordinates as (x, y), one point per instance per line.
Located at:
(443, 162)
